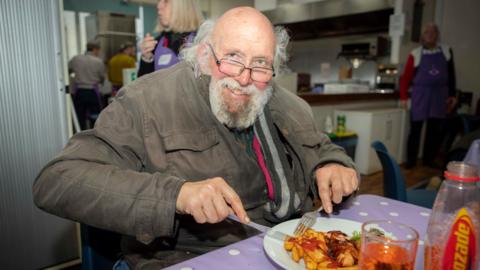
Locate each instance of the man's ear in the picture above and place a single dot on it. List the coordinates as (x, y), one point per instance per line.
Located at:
(202, 50)
(203, 56)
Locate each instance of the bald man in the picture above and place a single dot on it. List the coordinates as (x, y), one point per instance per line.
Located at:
(181, 149)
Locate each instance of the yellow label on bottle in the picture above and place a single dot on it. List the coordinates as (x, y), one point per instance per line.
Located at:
(461, 244)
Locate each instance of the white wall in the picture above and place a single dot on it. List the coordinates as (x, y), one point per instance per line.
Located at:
(459, 27)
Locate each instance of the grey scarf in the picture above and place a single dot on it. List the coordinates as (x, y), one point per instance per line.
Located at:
(286, 200)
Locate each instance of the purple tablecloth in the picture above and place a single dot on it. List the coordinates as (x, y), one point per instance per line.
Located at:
(249, 254)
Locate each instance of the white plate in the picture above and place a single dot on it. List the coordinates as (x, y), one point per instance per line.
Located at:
(274, 247)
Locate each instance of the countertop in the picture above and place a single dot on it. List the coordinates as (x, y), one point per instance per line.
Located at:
(328, 99)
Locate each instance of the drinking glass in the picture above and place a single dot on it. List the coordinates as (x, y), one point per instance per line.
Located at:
(396, 249)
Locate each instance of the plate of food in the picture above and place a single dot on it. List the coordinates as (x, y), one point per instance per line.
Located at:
(331, 243)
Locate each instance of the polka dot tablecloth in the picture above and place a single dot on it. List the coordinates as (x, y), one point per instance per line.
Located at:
(249, 254)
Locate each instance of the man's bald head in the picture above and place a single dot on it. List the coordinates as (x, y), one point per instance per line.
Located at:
(430, 35)
(255, 28)
(244, 24)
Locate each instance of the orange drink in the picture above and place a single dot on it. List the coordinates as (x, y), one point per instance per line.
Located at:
(379, 256)
(388, 245)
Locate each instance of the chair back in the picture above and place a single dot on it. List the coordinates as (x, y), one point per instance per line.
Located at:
(469, 122)
(100, 248)
(393, 181)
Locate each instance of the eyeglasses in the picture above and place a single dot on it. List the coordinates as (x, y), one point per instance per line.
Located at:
(234, 68)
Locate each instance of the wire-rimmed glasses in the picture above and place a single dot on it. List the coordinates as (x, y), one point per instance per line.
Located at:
(234, 68)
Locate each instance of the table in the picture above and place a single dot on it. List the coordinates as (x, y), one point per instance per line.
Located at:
(249, 254)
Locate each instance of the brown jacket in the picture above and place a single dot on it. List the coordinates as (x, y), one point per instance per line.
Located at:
(125, 174)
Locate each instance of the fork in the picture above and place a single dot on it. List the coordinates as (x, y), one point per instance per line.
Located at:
(307, 221)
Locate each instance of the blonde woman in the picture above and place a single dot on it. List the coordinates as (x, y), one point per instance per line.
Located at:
(177, 22)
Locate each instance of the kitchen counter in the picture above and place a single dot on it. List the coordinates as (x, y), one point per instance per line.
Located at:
(328, 99)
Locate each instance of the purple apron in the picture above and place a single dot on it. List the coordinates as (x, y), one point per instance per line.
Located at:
(165, 57)
(430, 87)
(96, 89)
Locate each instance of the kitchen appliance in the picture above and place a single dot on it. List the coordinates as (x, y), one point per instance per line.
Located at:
(319, 19)
(387, 77)
(356, 53)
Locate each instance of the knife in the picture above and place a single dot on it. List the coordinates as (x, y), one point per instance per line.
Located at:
(262, 228)
(259, 227)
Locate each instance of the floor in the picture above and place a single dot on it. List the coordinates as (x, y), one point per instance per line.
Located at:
(373, 184)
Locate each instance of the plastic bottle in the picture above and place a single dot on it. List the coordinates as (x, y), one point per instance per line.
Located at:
(341, 124)
(453, 234)
(328, 124)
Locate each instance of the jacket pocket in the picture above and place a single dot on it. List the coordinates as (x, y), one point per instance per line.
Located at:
(194, 155)
(193, 141)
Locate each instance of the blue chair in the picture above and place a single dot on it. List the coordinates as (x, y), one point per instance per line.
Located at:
(394, 183)
(100, 248)
(469, 122)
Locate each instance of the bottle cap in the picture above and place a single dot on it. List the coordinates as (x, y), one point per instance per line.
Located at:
(461, 171)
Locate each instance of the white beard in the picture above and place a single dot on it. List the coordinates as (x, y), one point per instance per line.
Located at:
(245, 113)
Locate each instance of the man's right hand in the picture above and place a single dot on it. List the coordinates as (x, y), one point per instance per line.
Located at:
(147, 45)
(210, 201)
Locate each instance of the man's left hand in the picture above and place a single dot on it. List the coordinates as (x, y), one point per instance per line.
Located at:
(335, 181)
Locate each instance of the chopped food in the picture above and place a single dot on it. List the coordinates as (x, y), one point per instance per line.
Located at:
(324, 250)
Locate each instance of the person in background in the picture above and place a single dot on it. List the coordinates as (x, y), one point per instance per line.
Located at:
(430, 74)
(125, 58)
(177, 22)
(88, 73)
(179, 150)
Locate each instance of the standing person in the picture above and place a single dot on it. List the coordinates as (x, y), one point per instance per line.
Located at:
(180, 149)
(430, 74)
(125, 58)
(177, 22)
(89, 72)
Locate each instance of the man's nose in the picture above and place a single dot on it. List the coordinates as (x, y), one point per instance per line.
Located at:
(244, 78)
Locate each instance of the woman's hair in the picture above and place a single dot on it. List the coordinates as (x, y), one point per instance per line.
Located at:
(186, 16)
(189, 52)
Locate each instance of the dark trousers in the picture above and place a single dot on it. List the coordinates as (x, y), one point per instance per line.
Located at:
(433, 140)
(87, 106)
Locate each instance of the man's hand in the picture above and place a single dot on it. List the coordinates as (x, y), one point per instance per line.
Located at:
(404, 104)
(147, 45)
(335, 181)
(210, 201)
